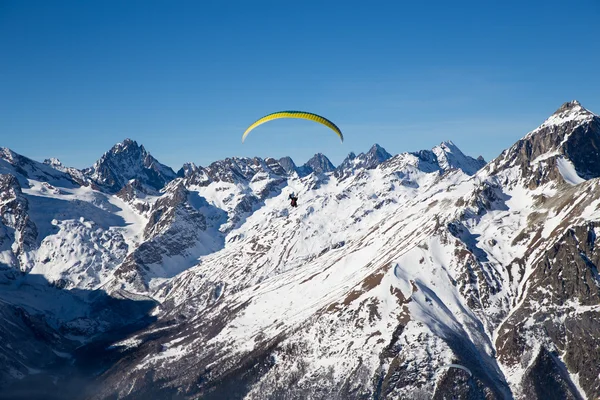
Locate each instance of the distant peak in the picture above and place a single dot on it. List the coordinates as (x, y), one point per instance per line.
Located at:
(8, 154)
(124, 145)
(449, 156)
(319, 157)
(129, 142)
(377, 149)
(287, 160)
(287, 164)
(570, 106)
(190, 165)
(319, 163)
(188, 168)
(125, 161)
(54, 162)
(571, 111)
(447, 146)
(379, 153)
(448, 143)
(5, 150)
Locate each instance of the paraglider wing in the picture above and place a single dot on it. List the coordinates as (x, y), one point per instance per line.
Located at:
(295, 114)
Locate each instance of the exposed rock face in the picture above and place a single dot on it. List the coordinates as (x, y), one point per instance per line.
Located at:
(571, 133)
(165, 208)
(319, 164)
(551, 325)
(375, 156)
(230, 170)
(275, 167)
(288, 165)
(547, 379)
(18, 233)
(583, 148)
(177, 228)
(134, 189)
(194, 175)
(126, 161)
(136, 194)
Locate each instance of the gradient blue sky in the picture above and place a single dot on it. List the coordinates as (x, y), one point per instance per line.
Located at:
(185, 78)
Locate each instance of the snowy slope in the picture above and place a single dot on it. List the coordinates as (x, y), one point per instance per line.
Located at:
(327, 257)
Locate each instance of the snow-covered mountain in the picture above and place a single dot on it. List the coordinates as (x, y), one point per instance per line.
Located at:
(564, 145)
(375, 156)
(318, 164)
(126, 161)
(443, 157)
(426, 274)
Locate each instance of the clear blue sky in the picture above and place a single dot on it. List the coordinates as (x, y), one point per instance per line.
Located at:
(185, 78)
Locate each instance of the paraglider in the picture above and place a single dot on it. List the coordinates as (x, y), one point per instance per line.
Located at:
(294, 199)
(295, 114)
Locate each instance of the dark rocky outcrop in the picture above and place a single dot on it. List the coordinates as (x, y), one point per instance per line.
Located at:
(126, 161)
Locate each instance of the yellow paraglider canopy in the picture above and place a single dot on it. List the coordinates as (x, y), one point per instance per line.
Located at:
(295, 114)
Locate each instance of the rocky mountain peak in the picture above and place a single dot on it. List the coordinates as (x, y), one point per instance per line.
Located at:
(570, 113)
(126, 145)
(188, 169)
(53, 162)
(125, 161)
(318, 163)
(376, 155)
(377, 149)
(275, 166)
(232, 170)
(448, 145)
(369, 160)
(7, 154)
(449, 156)
(570, 107)
(565, 143)
(287, 164)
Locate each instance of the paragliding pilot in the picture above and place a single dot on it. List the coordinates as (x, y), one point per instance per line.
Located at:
(294, 199)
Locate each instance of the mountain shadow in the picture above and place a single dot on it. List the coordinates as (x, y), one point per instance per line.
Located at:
(55, 341)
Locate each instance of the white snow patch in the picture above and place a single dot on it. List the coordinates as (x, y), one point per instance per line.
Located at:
(568, 172)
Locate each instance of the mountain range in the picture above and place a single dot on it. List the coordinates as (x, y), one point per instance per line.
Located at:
(428, 274)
